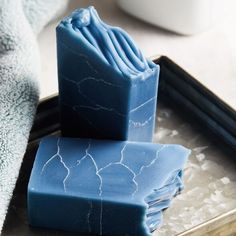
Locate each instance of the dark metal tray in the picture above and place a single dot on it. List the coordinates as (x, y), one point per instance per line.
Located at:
(188, 114)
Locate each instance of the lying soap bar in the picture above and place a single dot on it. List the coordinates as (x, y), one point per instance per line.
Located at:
(103, 187)
(107, 89)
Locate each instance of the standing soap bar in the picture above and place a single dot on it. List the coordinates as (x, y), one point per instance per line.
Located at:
(104, 187)
(107, 89)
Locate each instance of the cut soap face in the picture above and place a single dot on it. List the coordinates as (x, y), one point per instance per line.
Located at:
(103, 187)
(107, 89)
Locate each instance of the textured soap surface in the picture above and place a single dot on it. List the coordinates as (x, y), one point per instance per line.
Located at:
(103, 187)
(107, 89)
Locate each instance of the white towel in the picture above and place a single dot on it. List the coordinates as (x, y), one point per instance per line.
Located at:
(20, 22)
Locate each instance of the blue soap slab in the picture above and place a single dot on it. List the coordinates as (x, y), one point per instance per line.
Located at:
(103, 187)
(107, 89)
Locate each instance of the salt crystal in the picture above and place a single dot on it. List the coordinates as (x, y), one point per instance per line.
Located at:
(200, 157)
(162, 133)
(190, 178)
(207, 165)
(217, 196)
(225, 180)
(200, 149)
(194, 166)
(174, 133)
(166, 113)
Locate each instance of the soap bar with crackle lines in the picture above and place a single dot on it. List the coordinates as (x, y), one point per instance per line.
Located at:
(103, 187)
(107, 89)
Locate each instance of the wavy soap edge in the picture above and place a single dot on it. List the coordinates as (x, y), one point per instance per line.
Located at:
(112, 44)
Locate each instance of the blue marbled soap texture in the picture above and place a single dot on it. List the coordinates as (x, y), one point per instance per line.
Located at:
(103, 187)
(107, 89)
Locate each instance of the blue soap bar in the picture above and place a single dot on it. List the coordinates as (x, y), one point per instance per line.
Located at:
(107, 89)
(103, 187)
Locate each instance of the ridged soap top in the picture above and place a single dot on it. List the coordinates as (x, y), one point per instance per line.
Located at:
(113, 44)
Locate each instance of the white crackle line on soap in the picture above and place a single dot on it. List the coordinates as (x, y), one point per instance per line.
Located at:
(61, 161)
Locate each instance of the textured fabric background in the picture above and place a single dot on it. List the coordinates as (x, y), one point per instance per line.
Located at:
(20, 22)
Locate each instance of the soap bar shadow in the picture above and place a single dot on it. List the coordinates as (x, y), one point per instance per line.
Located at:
(49, 232)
